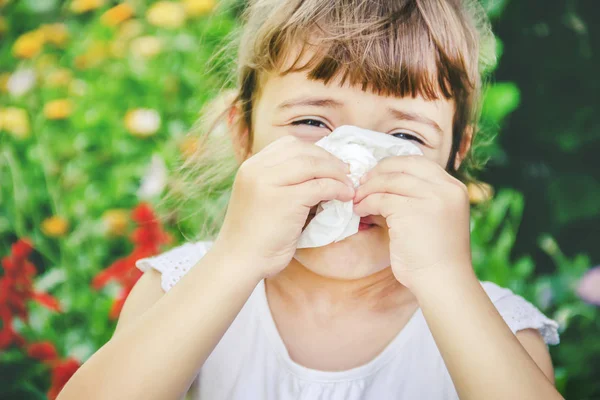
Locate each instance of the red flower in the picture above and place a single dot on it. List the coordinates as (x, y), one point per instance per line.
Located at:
(147, 238)
(16, 289)
(62, 371)
(43, 351)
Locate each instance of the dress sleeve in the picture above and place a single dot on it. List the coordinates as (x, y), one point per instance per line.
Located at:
(519, 314)
(174, 263)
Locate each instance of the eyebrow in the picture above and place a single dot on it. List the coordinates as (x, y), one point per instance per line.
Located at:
(311, 101)
(410, 116)
(332, 103)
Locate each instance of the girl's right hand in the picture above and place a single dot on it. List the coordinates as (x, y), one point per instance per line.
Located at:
(272, 195)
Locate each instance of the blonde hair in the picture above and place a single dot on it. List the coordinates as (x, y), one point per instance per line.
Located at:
(403, 48)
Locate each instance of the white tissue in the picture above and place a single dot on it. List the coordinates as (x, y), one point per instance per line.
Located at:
(362, 149)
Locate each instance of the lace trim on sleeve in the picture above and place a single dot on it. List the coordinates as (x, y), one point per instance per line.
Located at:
(520, 314)
(174, 263)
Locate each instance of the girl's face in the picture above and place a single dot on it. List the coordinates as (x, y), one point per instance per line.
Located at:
(294, 105)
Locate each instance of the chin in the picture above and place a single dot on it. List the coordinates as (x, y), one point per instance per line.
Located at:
(360, 255)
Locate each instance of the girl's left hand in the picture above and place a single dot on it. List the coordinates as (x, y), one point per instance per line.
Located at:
(427, 214)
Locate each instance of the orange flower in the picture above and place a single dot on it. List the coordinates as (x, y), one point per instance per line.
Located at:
(142, 122)
(117, 14)
(58, 109)
(29, 44)
(15, 121)
(59, 78)
(195, 8)
(116, 222)
(55, 226)
(166, 14)
(57, 34)
(479, 192)
(82, 6)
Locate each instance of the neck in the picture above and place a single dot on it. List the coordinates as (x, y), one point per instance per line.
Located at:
(379, 292)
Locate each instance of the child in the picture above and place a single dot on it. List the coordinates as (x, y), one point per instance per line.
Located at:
(392, 312)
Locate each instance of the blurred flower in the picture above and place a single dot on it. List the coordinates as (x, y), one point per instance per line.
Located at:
(589, 286)
(166, 14)
(81, 6)
(195, 8)
(15, 121)
(479, 192)
(117, 14)
(97, 52)
(146, 46)
(58, 109)
(62, 371)
(57, 34)
(43, 351)
(29, 44)
(16, 290)
(142, 122)
(116, 221)
(147, 238)
(21, 82)
(60, 77)
(154, 179)
(55, 226)
(130, 29)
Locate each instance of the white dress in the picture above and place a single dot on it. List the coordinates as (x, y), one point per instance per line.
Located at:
(251, 361)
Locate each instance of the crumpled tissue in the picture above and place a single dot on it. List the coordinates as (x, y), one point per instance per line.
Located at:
(362, 149)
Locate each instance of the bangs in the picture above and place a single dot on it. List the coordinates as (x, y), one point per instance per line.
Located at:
(393, 48)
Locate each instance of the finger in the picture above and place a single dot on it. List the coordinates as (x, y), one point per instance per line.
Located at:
(384, 204)
(314, 191)
(395, 183)
(302, 168)
(419, 166)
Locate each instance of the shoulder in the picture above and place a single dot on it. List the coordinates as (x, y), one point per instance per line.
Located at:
(175, 262)
(519, 314)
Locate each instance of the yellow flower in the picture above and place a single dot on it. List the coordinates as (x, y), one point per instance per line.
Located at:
(479, 192)
(94, 56)
(55, 226)
(15, 121)
(166, 14)
(142, 122)
(130, 29)
(29, 44)
(146, 46)
(195, 8)
(116, 222)
(81, 6)
(59, 78)
(57, 34)
(117, 14)
(58, 109)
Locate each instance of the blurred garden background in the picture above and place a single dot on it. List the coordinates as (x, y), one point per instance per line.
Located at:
(97, 98)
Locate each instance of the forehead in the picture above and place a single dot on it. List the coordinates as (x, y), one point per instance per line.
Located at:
(278, 89)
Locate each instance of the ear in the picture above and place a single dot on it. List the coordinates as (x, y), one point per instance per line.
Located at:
(465, 146)
(239, 133)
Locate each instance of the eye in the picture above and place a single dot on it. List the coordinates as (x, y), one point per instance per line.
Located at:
(310, 122)
(407, 136)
